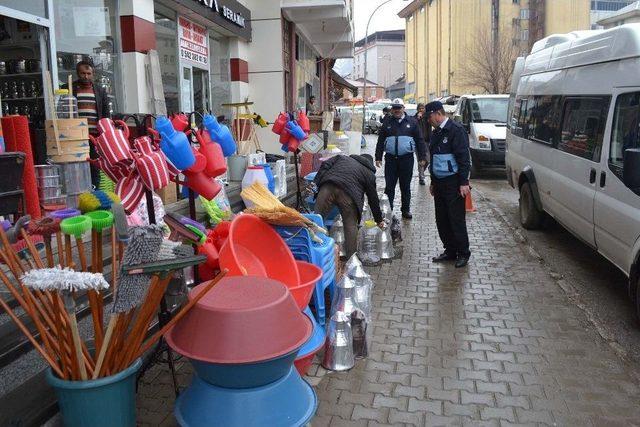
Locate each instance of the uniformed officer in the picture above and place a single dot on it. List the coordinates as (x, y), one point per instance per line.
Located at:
(449, 168)
(400, 137)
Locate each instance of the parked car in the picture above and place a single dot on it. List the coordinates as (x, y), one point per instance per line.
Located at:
(573, 144)
(485, 119)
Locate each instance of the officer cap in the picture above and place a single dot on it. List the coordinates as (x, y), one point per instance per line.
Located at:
(432, 107)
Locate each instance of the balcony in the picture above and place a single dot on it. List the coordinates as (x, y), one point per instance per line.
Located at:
(327, 24)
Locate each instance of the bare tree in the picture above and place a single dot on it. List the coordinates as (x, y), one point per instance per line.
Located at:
(489, 61)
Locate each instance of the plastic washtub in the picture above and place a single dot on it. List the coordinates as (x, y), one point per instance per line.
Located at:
(309, 276)
(313, 345)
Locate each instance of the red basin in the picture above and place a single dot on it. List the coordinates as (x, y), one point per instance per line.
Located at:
(309, 276)
(241, 320)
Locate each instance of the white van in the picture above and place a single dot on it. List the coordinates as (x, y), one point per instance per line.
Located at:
(573, 144)
(485, 119)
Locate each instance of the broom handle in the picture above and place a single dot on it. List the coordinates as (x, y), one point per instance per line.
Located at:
(147, 311)
(48, 250)
(32, 249)
(155, 337)
(114, 261)
(62, 338)
(44, 335)
(60, 249)
(112, 352)
(105, 345)
(83, 258)
(94, 252)
(17, 266)
(92, 294)
(77, 346)
(67, 251)
(30, 337)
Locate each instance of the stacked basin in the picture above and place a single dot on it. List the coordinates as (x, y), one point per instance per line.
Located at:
(242, 339)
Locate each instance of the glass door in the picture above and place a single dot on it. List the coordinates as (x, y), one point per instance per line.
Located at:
(201, 102)
(186, 89)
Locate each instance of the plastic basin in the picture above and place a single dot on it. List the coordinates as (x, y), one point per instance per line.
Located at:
(105, 402)
(309, 276)
(254, 248)
(314, 344)
(242, 320)
(289, 401)
(247, 375)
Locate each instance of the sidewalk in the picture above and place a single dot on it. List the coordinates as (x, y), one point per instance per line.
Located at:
(498, 343)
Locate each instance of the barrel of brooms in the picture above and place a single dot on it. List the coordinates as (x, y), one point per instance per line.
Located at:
(104, 402)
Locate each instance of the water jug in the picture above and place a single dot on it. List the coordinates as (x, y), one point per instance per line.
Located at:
(296, 131)
(270, 178)
(294, 144)
(368, 243)
(252, 175)
(338, 349)
(174, 144)
(303, 121)
(337, 234)
(180, 122)
(202, 184)
(66, 104)
(220, 134)
(385, 207)
(280, 123)
(216, 164)
(366, 215)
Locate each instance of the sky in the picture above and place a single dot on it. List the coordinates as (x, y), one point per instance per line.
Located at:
(386, 18)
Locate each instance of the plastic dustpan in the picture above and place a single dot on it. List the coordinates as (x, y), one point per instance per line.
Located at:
(289, 401)
(179, 230)
(164, 266)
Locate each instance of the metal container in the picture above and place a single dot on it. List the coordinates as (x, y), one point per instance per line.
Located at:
(359, 332)
(337, 233)
(344, 296)
(47, 170)
(385, 244)
(338, 349)
(49, 192)
(55, 201)
(76, 177)
(236, 167)
(385, 207)
(362, 295)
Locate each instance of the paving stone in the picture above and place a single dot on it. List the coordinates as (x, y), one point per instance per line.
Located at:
(433, 407)
(377, 414)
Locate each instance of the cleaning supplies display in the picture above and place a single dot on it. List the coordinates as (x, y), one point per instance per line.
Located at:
(292, 131)
(220, 134)
(368, 243)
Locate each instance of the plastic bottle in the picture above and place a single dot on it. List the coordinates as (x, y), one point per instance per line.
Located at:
(174, 144)
(220, 134)
(296, 131)
(66, 104)
(368, 243)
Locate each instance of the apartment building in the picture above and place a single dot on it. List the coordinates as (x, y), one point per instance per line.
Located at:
(385, 51)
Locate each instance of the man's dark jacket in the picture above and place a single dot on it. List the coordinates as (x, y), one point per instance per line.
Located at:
(452, 139)
(426, 128)
(102, 100)
(356, 176)
(407, 127)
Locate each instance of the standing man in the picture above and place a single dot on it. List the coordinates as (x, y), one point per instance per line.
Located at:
(93, 104)
(400, 137)
(449, 169)
(426, 133)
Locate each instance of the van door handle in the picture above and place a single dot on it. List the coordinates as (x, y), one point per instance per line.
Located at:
(592, 176)
(603, 179)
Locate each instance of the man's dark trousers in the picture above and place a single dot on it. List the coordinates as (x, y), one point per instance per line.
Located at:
(396, 169)
(450, 216)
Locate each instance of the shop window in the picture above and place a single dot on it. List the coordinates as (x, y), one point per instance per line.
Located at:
(626, 130)
(166, 34)
(220, 73)
(32, 7)
(86, 31)
(583, 126)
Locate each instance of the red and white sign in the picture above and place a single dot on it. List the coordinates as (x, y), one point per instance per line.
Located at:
(194, 42)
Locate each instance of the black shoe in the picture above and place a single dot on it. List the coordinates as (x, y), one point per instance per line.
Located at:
(407, 215)
(422, 182)
(462, 261)
(444, 257)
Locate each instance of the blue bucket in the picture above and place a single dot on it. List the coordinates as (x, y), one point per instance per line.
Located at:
(105, 402)
(287, 402)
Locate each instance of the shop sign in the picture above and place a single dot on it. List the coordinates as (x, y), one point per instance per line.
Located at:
(227, 13)
(193, 41)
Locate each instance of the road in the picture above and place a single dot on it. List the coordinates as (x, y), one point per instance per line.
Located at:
(598, 287)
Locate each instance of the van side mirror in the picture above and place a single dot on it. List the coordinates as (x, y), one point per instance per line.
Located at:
(631, 174)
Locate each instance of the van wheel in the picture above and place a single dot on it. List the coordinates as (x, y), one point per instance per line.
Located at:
(531, 217)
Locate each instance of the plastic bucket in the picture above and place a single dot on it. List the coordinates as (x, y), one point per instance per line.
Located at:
(105, 402)
(236, 167)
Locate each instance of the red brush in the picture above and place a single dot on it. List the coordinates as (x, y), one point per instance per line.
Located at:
(45, 227)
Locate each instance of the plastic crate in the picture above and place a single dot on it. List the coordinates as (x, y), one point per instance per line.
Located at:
(12, 167)
(12, 203)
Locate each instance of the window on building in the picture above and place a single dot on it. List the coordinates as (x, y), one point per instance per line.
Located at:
(515, 1)
(626, 130)
(524, 13)
(582, 127)
(220, 73)
(609, 5)
(524, 34)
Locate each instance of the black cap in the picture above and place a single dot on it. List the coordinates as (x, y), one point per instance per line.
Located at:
(432, 107)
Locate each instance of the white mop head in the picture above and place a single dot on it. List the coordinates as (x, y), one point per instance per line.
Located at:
(58, 279)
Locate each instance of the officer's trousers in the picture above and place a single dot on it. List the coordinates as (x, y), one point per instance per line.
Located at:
(399, 169)
(450, 216)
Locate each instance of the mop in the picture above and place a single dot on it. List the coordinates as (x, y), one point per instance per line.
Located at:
(65, 282)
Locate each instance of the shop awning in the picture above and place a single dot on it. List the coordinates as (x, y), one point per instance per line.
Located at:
(341, 81)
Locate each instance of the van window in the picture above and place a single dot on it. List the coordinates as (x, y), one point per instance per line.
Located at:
(537, 118)
(489, 110)
(583, 126)
(626, 130)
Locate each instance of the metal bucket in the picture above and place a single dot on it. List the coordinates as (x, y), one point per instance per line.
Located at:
(338, 350)
(47, 171)
(77, 177)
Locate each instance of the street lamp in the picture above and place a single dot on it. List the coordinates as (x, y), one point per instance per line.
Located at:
(366, 42)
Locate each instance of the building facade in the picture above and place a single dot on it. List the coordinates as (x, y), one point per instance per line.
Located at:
(385, 51)
(627, 15)
(601, 9)
(439, 34)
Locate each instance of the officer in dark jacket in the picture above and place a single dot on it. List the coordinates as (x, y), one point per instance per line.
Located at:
(343, 181)
(400, 137)
(449, 168)
(425, 126)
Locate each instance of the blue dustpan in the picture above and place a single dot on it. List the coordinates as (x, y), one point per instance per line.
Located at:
(284, 403)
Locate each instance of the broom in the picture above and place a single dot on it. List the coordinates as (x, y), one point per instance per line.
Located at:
(271, 210)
